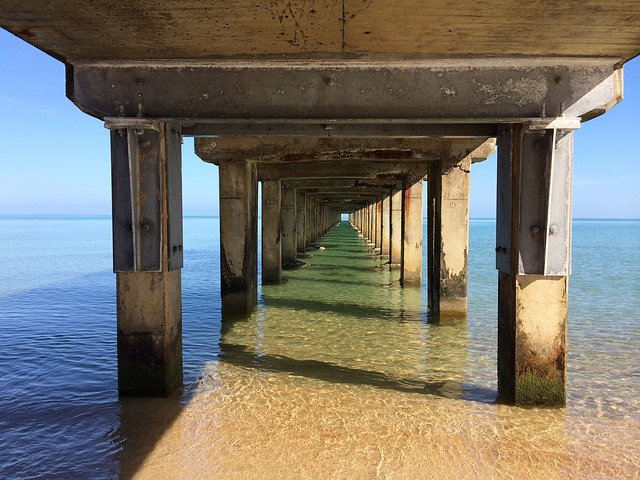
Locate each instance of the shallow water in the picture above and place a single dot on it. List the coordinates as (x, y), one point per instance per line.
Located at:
(338, 373)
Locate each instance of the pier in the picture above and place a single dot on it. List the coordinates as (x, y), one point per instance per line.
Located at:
(342, 108)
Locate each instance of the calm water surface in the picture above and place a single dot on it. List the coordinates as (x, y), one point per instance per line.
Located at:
(338, 373)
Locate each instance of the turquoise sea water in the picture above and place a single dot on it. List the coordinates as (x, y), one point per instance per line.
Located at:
(341, 332)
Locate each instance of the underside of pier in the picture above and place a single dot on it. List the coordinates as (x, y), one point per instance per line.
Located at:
(342, 107)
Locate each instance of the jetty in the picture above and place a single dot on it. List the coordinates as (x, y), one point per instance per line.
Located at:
(341, 107)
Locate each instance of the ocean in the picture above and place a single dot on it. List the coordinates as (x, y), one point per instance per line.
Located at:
(337, 374)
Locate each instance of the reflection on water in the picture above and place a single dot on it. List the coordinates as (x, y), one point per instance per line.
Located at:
(337, 374)
(326, 380)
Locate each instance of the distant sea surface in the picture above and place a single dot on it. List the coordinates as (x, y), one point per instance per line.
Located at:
(338, 373)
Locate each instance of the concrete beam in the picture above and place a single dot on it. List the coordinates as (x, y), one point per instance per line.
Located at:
(292, 149)
(352, 182)
(363, 170)
(469, 90)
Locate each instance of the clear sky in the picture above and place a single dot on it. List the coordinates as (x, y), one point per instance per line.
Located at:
(55, 159)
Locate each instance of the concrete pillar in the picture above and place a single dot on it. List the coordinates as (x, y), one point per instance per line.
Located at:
(379, 225)
(238, 236)
(386, 227)
(149, 310)
(271, 232)
(317, 222)
(411, 264)
(533, 235)
(147, 258)
(300, 222)
(288, 221)
(370, 224)
(396, 228)
(448, 234)
(310, 217)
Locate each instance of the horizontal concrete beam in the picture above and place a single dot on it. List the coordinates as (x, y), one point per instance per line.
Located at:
(491, 89)
(355, 183)
(332, 128)
(287, 149)
(362, 170)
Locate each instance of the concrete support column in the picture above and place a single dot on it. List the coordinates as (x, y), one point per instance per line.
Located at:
(310, 217)
(238, 236)
(379, 225)
(411, 264)
(318, 222)
(149, 310)
(300, 222)
(147, 258)
(448, 233)
(370, 224)
(271, 232)
(288, 221)
(386, 227)
(532, 256)
(396, 228)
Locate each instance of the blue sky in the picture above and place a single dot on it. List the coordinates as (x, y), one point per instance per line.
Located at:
(55, 159)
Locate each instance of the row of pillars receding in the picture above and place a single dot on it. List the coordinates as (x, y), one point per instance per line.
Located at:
(532, 248)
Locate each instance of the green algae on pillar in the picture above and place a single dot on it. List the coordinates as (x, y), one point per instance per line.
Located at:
(532, 336)
(532, 257)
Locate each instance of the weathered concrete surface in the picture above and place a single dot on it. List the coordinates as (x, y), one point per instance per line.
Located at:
(379, 225)
(271, 232)
(149, 311)
(448, 225)
(145, 29)
(532, 308)
(532, 339)
(309, 222)
(238, 236)
(386, 226)
(312, 149)
(396, 227)
(301, 210)
(288, 221)
(411, 263)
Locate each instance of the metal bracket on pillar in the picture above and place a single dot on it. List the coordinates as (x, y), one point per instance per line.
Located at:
(534, 200)
(147, 196)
